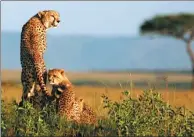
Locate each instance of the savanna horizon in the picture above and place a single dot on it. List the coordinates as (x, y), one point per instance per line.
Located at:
(111, 84)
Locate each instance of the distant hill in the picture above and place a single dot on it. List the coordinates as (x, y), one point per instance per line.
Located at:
(80, 53)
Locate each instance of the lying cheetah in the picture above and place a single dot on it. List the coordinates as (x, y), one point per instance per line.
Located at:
(33, 46)
(74, 108)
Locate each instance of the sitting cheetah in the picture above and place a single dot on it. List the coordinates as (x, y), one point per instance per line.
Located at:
(33, 46)
(87, 115)
(74, 108)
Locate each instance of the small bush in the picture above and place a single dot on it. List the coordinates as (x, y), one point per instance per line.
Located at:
(149, 115)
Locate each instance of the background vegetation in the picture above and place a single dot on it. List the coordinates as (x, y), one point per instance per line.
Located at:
(179, 26)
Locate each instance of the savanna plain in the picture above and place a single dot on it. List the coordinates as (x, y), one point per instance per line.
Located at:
(112, 90)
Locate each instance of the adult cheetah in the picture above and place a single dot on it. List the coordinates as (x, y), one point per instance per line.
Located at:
(32, 48)
(67, 104)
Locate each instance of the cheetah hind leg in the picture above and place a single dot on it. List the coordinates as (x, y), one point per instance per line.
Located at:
(38, 97)
(28, 92)
(31, 93)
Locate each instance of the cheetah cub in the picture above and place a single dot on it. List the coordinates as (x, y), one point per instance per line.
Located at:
(67, 104)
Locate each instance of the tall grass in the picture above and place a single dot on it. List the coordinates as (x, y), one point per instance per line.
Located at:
(146, 115)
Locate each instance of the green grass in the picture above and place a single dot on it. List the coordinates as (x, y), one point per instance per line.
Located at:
(146, 115)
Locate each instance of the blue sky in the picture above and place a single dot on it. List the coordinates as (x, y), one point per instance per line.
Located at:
(91, 18)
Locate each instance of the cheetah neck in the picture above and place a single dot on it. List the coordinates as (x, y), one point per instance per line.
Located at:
(38, 19)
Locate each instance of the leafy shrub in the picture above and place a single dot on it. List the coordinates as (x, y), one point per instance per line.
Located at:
(149, 115)
(27, 121)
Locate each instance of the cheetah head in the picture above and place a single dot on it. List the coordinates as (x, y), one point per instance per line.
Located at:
(57, 77)
(49, 18)
(81, 103)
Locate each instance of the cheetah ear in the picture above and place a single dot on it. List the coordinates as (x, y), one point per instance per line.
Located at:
(62, 71)
(81, 103)
(41, 13)
(81, 100)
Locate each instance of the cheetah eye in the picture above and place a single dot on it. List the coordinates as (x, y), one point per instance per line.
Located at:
(53, 16)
